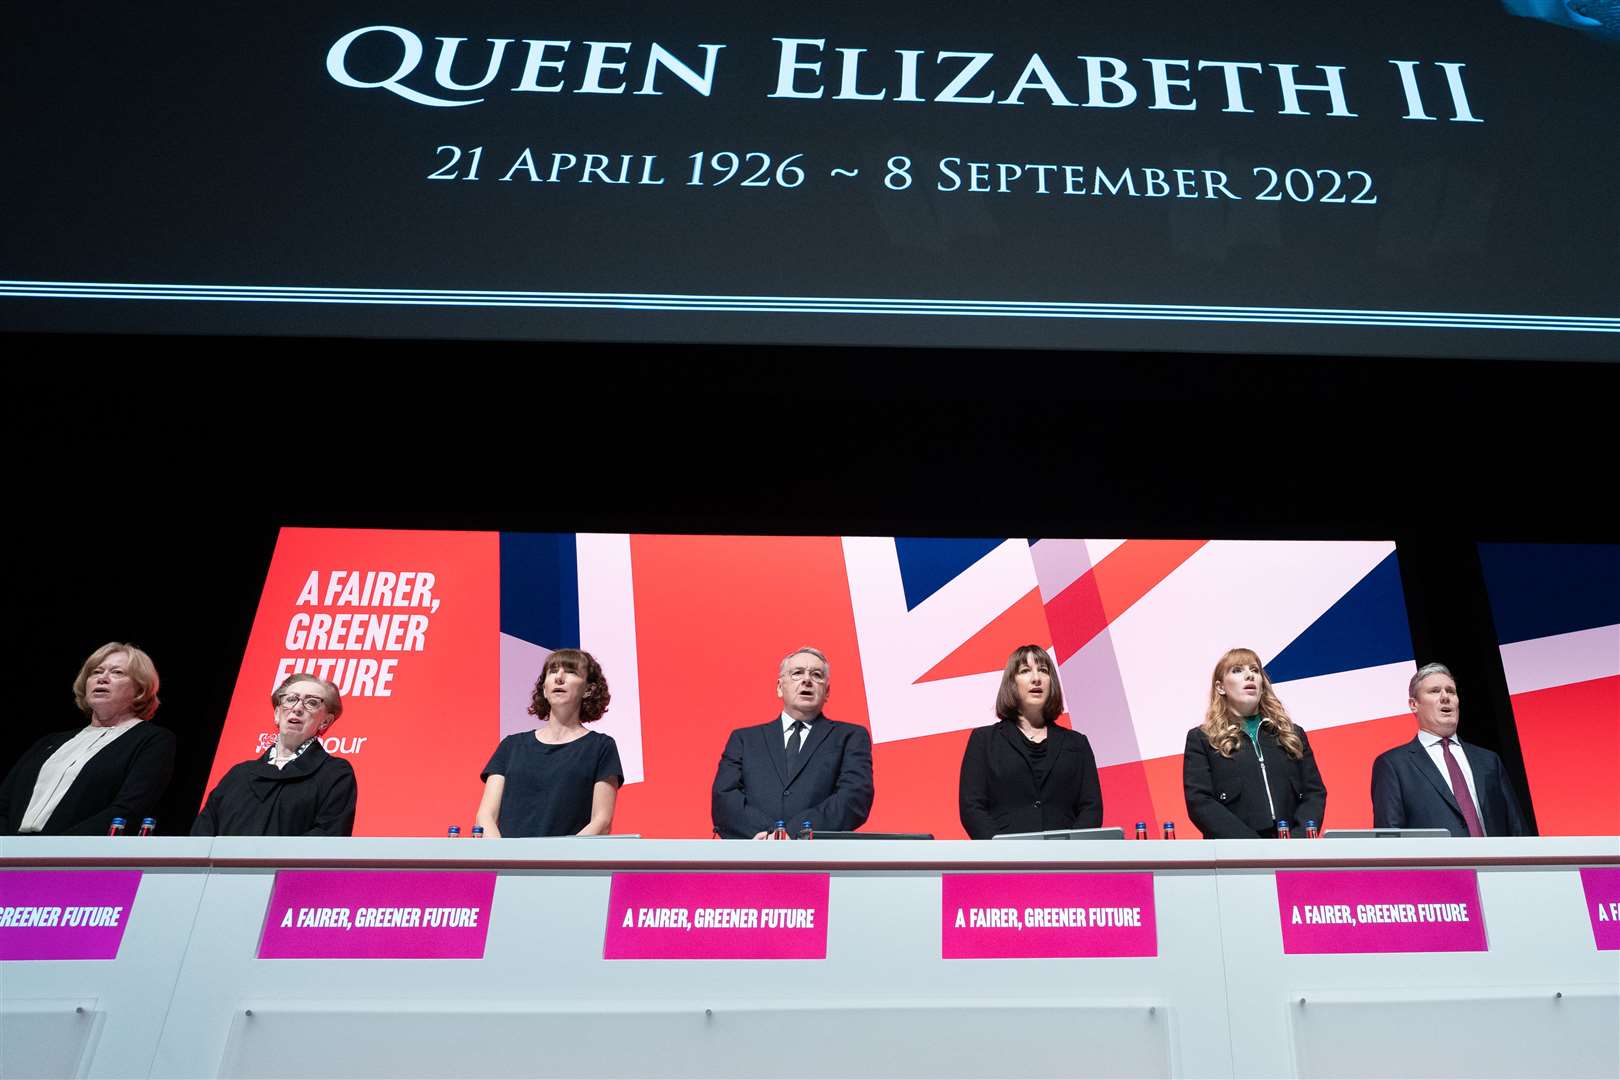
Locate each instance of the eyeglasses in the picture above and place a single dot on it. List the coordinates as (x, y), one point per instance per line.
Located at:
(310, 703)
(815, 674)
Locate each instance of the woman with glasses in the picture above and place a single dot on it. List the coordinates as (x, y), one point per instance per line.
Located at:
(1248, 766)
(1027, 774)
(295, 788)
(75, 782)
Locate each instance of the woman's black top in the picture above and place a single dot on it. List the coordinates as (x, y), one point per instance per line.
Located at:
(312, 795)
(1040, 763)
(126, 779)
(1226, 797)
(549, 788)
(1008, 785)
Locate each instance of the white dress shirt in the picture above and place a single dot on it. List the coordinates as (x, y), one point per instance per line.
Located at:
(63, 767)
(1431, 743)
(787, 729)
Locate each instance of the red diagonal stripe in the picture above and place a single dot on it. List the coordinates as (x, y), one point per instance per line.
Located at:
(1105, 592)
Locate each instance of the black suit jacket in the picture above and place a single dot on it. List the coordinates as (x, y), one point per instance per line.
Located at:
(1226, 797)
(830, 785)
(312, 795)
(997, 791)
(125, 779)
(1409, 792)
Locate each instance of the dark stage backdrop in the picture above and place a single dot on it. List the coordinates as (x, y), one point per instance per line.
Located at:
(1362, 177)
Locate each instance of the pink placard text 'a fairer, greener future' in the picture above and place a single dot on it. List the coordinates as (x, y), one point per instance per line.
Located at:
(1601, 884)
(377, 915)
(1380, 911)
(714, 916)
(65, 914)
(1041, 916)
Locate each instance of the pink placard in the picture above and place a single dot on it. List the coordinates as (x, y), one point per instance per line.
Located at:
(377, 915)
(1040, 916)
(1602, 885)
(699, 916)
(65, 914)
(1380, 911)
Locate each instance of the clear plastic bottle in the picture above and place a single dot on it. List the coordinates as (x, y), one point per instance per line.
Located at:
(1282, 831)
(806, 832)
(1169, 830)
(1141, 830)
(148, 826)
(478, 832)
(117, 828)
(455, 832)
(780, 832)
(1310, 830)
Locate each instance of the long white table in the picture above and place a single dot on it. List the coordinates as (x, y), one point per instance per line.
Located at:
(188, 996)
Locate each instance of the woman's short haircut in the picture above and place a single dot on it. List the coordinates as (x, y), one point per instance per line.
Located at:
(329, 691)
(1007, 696)
(595, 697)
(141, 672)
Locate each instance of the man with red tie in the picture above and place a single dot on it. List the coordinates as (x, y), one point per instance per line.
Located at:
(1437, 781)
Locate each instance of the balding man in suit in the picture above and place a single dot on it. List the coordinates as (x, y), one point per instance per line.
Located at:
(798, 767)
(1437, 781)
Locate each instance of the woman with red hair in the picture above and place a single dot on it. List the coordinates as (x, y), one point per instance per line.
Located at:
(1248, 766)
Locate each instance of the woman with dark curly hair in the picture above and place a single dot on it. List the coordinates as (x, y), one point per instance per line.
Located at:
(559, 779)
(1248, 765)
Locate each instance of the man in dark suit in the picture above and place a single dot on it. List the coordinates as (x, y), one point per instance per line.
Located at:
(798, 767)
(1437, 781)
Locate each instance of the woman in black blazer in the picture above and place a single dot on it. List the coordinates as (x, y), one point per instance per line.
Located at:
(1026, 774)
(295, 788)
(1249, 766)
(73, 783)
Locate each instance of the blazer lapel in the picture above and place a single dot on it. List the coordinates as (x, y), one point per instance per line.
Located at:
(1425, 766)
(1059, 748)
(1009, 731)
(818, 735)
(1480, 769)
(774, 740)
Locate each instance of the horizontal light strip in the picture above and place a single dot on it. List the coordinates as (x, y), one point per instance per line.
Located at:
(833, 305)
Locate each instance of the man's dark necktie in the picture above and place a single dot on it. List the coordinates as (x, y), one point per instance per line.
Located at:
(1459, 788)
(795, 742)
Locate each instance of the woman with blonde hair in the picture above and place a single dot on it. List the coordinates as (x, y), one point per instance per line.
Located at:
(1248, 766)
(73, 783)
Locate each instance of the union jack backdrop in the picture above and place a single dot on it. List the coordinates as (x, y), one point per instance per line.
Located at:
(1557, 613)
(689, 630)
